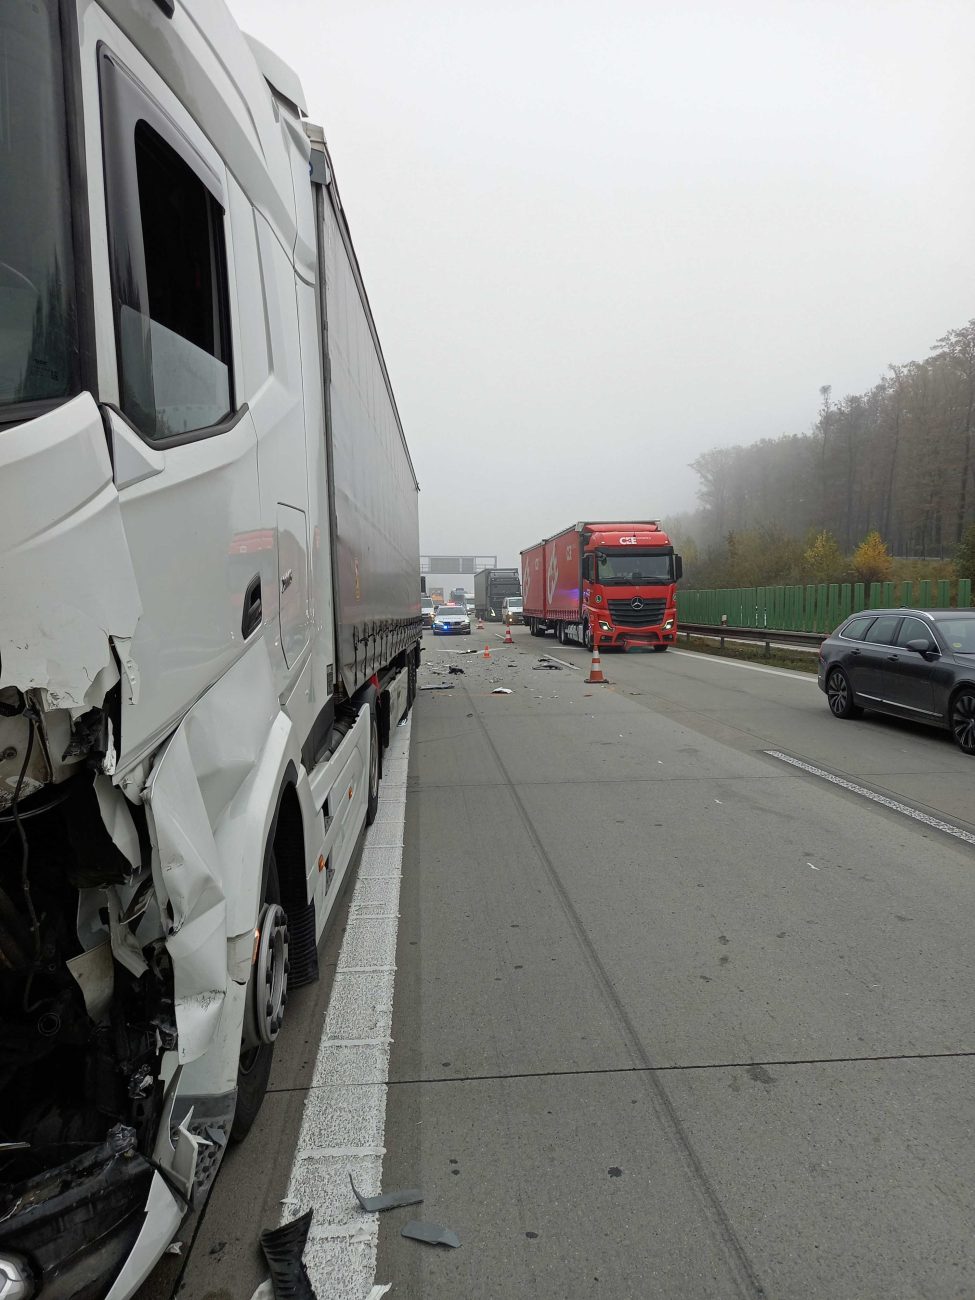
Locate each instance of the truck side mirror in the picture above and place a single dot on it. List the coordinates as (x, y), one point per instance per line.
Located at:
(678, 567)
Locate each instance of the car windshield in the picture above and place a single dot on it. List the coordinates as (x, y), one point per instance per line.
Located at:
(514, 602)
(959, 633)
(37, 324)
(451, 611)
(632, 567)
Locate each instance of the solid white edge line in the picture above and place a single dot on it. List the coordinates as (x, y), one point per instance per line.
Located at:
(343, 1125)
(894, 804)
(701, 657)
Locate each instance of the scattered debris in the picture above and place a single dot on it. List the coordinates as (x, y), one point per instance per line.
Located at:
(438, 686)
(388, 1201)
(174, 1248)
(546, 667)
(454, 669)
(378, 1292)
(501, 690)
(283, 1248)
(434, 1234)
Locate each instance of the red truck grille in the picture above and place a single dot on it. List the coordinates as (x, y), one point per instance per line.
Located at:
(638, 611)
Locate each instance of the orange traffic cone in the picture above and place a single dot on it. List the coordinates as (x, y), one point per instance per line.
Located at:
(595, 677)
(507, 635)
(487, 651)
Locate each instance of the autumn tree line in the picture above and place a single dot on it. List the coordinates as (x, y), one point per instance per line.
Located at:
(884, 481)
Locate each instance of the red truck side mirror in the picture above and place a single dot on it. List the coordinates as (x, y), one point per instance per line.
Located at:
(678, 567)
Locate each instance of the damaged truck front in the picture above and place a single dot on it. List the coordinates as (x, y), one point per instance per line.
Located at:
(208, 625)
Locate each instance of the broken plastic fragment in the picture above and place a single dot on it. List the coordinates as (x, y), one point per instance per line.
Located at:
(174, 1248)
(501, 690)
(283, 1248)
(388, 1201)
(437, 687)
(434, 1234)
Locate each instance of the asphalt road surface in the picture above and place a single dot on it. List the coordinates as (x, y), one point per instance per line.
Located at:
(673, 1016)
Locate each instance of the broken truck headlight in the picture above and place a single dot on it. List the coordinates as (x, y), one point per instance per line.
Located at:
(16, 1281)
(668, 625)
(604, 626)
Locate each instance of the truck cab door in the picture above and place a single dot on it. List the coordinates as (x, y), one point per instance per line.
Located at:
(184, 447)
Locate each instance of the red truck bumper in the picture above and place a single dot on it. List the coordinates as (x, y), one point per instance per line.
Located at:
(650, 636)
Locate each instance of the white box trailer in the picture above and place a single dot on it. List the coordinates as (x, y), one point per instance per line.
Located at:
(209, 620)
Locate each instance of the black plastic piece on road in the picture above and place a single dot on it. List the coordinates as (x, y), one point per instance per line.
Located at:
(283, 1248)
(434, 1234)
(388, 1200)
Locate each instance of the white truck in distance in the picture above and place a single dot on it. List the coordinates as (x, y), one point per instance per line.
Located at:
(209, 621)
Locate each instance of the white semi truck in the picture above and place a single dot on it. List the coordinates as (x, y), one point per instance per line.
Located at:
(209, 621)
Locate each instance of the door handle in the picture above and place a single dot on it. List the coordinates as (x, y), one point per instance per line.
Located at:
(892, 659)
(250, 619)
(854, 652)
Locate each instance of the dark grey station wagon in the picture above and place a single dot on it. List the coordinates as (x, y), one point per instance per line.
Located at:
(912, 663)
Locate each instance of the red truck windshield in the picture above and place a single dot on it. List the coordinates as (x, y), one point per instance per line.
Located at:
(634, 568)
(37, 327)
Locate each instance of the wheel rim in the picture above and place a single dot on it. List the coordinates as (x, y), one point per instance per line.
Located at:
(963, 721)
(838, 693)
(271, 974)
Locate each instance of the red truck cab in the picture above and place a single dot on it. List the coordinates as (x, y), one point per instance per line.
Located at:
(629, 585)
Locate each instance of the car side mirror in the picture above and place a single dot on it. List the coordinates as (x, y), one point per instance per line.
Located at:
(923, 647)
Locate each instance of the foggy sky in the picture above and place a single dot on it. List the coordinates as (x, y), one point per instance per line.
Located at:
(599, 239)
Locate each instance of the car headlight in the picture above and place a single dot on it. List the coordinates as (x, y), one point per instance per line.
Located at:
(668, 625)
(16, 1282)
(604, 626)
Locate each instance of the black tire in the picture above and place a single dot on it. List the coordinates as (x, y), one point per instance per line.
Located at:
(410, 681)
(587, 637)
(961, 715)
(839, 695)
(375, 763)
(254, 1066)
(659, 649)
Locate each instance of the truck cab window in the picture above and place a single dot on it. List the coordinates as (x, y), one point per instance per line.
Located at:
(169, 268)
(38, 342)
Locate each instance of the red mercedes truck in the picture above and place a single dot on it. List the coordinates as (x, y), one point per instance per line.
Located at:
(611, 584)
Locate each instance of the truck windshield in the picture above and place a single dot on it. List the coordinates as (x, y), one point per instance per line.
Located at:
(634, 567)
(37, 322)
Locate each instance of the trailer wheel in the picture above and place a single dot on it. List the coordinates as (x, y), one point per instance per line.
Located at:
(265, 1005)
(375, 763)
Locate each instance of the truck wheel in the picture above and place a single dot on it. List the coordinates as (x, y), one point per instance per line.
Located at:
(587, 637)
(659, 649)
(375, 763)
(265, 1004)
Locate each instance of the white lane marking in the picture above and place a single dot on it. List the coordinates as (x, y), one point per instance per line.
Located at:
(894, 804)
(343, 1127)
(752, 668)
(809, 864)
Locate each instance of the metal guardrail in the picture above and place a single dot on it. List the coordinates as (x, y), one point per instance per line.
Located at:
(763, 635)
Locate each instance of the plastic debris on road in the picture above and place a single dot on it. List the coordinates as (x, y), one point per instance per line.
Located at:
(434, 1234)
(438, 686)
(502, 690)
(388, 1200)
(283, 1249)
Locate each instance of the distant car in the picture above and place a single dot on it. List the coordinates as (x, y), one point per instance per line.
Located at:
(911, 663)
(451, 620)
(512, 610)
(469, 604)
(426, 611)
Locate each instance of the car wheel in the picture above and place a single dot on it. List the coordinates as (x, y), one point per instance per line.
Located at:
(839, 695)
(962, 717)
(265, 1005)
